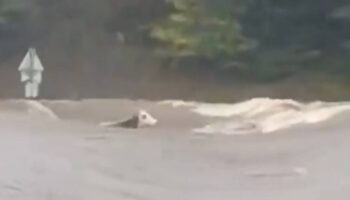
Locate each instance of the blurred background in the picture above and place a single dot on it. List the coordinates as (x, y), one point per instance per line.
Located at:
(211, 50)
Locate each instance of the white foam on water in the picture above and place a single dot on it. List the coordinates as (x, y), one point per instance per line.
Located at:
(38, 109)
(27, 108)
(262, 115)
(178, 103)
(251, 107)
(278, 173)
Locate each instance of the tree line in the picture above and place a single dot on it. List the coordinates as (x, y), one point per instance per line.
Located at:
(255, 40)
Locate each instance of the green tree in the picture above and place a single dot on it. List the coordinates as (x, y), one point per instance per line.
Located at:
(198, 28)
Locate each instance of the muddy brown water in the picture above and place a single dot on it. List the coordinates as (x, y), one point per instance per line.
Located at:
(73, 158)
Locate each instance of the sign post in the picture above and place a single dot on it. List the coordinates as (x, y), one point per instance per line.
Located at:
(31, 71)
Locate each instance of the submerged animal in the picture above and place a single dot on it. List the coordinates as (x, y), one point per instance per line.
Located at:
(140, 119)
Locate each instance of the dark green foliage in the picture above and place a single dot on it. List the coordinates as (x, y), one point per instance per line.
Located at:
(284, 37)
(196, 28)
(210, 42)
